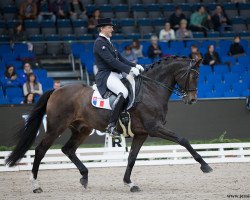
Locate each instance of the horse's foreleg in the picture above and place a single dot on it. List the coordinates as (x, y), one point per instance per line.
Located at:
(69, 150)
(138, 141)
(162, 132)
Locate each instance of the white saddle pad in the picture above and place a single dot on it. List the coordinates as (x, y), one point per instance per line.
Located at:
(98, 102)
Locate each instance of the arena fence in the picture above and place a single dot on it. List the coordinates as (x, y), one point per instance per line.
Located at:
(149, 155)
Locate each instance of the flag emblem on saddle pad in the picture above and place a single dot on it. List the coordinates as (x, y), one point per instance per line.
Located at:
(94, 100)
(98, 102)
(101, 103)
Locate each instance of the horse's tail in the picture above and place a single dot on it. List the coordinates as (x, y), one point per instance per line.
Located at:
(27, 133)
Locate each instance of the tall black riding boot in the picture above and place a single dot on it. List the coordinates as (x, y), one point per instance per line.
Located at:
(117, 109)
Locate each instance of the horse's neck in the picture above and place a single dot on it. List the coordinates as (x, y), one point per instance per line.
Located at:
(158, 93)
(162, 74)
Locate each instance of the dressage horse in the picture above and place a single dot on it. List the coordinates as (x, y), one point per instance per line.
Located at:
(70, 107)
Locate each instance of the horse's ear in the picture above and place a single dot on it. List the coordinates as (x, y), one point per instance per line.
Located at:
(198, 62)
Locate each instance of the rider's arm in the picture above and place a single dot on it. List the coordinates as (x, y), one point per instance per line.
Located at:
(102, 50)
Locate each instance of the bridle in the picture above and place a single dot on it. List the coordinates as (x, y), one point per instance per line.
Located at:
(179, 91)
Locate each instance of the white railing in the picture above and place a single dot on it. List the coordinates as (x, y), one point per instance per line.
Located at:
(149, 155)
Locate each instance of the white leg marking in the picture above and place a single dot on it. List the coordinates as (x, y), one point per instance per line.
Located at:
(35, 184)
(130, 185)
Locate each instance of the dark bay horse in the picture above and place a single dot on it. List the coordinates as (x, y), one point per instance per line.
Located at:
(70, 106)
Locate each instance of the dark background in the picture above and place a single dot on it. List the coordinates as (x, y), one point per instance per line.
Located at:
(207, 119)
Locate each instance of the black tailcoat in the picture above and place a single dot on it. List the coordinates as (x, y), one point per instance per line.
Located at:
(108, 60)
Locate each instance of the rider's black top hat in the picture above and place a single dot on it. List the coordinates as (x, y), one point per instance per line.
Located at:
(104, 22)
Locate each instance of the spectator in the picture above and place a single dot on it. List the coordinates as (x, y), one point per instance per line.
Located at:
(10, 78)
(195, 54)
(93, 21)
(183, 32)
(26, 71)
(60, 9)
(176, 18)
(45, 11)
(17, 35)
(200, 20)
(137, 48)
(129, 54)
(29, 99)
(236, 49)
(154, 50)
(32, 86)
(167, 33)
(57, 84)
(220, 20)
(28, 10)
(77, 10)
(211, 57)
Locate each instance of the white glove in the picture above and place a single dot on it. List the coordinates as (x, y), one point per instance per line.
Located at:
(135, 71)
(141, 68)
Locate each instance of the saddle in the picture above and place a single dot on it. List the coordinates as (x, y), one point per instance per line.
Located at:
(106, 102)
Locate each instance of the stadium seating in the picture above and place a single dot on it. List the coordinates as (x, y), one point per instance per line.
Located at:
(12, 92)
(135, 19)
(32, 27)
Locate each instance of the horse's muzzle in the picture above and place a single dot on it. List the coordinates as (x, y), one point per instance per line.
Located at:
(190, 99)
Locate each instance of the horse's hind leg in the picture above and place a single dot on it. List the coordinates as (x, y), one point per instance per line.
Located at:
(69, 149)
(162, 132)
(40, 152)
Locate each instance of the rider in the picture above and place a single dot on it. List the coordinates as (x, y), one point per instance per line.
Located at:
(110, 65)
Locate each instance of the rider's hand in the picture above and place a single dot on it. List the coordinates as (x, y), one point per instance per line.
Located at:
(135, 71)
(141, 68)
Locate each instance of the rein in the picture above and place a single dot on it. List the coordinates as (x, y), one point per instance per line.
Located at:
(178, 91)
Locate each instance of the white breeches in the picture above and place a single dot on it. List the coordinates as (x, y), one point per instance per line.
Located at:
(115, 85)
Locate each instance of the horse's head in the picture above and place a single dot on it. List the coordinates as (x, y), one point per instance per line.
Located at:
(187, 79)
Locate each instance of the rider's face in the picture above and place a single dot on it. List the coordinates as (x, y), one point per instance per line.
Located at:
(107, 30)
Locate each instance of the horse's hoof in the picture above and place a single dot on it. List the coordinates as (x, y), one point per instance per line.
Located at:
(135, 189)
(206, 168)
(84, 182)
(38, 190)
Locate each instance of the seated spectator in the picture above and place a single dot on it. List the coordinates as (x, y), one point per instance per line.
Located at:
(199, 20)
(220, 20)
(167, 33)
(17, 35)
(29, 99)
(236, 49)
(10, 78)
(57, 84)
(129, 54)
(195, 53)
(137, 48)
(93, 21)
(28, 10)
(183, 32)
(26, 71)
(60, 9)
(176, 18)
(154, 50)
(77, 10)
(45, 11)
(211, 57)
(32, 86)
